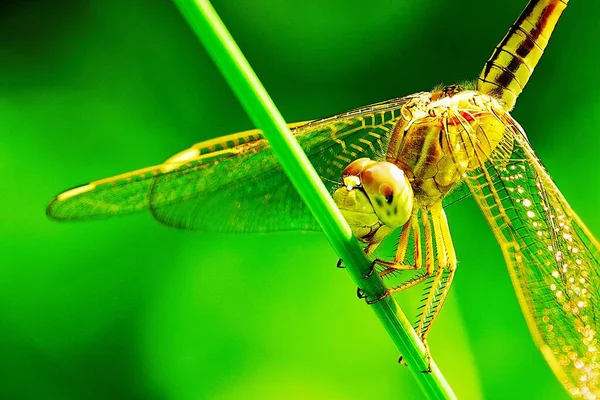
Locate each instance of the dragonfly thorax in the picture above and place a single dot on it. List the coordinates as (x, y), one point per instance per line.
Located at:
(441, 136)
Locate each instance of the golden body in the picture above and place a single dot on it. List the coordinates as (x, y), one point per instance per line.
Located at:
(438, 139)
(441, 135)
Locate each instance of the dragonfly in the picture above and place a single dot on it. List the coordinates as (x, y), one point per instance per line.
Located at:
(395, 166)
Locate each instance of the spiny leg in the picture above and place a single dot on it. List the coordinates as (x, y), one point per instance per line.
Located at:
(398, 263)
(431, 265)
(412, 226)
(442, 280)
(444, 259)
(340, 264)
(429, 268)
(429, 261)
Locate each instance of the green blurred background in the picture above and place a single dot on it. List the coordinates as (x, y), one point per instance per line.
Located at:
(129, 309)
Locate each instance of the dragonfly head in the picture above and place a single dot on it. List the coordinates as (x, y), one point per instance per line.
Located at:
(372, 195)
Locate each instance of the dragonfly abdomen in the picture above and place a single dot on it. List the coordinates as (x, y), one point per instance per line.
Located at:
(507, 71)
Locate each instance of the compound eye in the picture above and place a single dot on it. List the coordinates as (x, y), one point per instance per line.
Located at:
(389, 191)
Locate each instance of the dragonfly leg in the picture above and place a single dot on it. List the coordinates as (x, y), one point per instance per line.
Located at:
(428, 355)
(362, 295)
(371, 269)
(369, 249)
(418, 264)
(402, 361)
(436, 232)
(412, 226)
(399, 264)
(340, 264)
(442, 280)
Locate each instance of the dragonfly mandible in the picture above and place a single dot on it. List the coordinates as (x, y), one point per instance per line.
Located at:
(441, 141)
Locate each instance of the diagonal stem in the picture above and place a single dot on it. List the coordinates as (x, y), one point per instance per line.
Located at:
(235, 68)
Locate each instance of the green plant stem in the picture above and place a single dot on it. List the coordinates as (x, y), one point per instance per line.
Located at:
(212, 33)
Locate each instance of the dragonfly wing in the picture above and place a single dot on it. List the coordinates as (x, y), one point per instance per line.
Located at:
(121, 194)
(458, 193)
(130, 192)
(553, 259)
(251, 193)
(243, 192)
(233, 183)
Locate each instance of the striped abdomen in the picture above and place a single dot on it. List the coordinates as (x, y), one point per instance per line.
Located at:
(506, 73)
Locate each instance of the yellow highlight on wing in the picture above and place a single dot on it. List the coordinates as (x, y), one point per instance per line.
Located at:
(76, 191)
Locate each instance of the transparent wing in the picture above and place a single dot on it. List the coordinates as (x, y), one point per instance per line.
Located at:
(234, 184)
(458, 193)
(553, 259)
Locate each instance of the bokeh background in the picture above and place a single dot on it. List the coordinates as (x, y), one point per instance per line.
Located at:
(128, 309)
